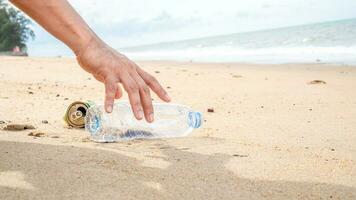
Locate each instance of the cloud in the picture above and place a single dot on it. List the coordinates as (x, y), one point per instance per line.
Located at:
(134, 22)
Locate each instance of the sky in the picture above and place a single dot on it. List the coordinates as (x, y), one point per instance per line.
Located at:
(124, 23)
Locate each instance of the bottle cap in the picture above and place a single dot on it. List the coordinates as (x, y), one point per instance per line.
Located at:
(195, 119)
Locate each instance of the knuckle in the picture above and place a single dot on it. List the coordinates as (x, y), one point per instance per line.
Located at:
(136, 104)
(110, 86)
(149, 108)
(132, 87)
(151, 79)
(110, 95)
(144, 88)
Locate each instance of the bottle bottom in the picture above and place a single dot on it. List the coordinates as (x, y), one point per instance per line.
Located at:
(130, 134)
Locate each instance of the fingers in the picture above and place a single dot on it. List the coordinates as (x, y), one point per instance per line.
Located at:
(132, 90)
(154, 85)
(145, 98)
(118, 93)
(111, 88)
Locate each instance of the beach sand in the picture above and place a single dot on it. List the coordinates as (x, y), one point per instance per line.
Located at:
(272, 134)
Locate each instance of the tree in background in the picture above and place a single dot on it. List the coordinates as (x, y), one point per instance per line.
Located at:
(14, 28)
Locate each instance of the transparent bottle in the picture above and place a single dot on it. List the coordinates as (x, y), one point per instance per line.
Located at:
(171, 120)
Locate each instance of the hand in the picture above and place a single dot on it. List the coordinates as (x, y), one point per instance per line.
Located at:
(112, 68)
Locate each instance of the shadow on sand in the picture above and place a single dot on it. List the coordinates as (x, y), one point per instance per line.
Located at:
(62, 172)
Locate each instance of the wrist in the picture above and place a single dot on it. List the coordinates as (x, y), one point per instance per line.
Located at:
(86, 39)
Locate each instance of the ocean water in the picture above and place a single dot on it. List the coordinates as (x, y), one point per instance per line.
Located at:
(330, 42)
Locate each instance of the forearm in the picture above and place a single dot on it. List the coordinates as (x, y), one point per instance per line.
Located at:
(60, 19)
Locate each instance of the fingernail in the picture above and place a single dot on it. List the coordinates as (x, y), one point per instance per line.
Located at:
(109, 109)
(151, 117)
(140, 114)
(168, 97)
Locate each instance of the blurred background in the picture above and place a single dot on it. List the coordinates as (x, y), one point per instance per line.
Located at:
(257, 31)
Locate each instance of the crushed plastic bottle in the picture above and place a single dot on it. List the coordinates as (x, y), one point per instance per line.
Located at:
(171, 120)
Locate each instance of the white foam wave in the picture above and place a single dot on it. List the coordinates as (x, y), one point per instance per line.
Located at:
(337, 55)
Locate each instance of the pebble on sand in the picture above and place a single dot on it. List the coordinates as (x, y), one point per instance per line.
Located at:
(44, 122)
(237, 76)
(36, 134)
(18, 127)
(211, 110)
(314, 82)
(2, 122)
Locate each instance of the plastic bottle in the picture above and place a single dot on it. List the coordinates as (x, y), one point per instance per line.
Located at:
(171, 120)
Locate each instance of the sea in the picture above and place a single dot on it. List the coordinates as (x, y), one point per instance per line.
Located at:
(330, 42)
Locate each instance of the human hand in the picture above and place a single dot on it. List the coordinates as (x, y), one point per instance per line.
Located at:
(114, 69)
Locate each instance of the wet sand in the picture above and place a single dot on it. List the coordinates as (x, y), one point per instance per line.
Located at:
(277, 132)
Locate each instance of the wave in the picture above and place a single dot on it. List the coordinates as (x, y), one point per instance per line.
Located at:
(273, 55)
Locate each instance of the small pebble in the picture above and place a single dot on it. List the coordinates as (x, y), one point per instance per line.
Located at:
(262, 106)
(2, 122)
(332, 149)
(36, 134)
(55, 136)
(211, 110)
(157, 72)
(66, 98)
(18, 127)
(30, 92)
(58, 95)
(314, 82)
(86, 139)
(240, 156)
(44, 122)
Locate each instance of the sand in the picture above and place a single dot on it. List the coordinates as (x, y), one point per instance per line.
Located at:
(272, 135)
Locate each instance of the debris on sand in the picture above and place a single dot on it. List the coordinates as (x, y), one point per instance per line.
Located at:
(44, 122)
(240, 156)
(157, 72)
(86, 139)
(2, 122)
(36, 134)
(18, 127)
(237, 76)
(314, 82)
(211, 110)
(30, 92)
(55, 136)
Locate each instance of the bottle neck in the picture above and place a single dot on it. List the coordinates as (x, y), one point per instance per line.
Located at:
(195, 119)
